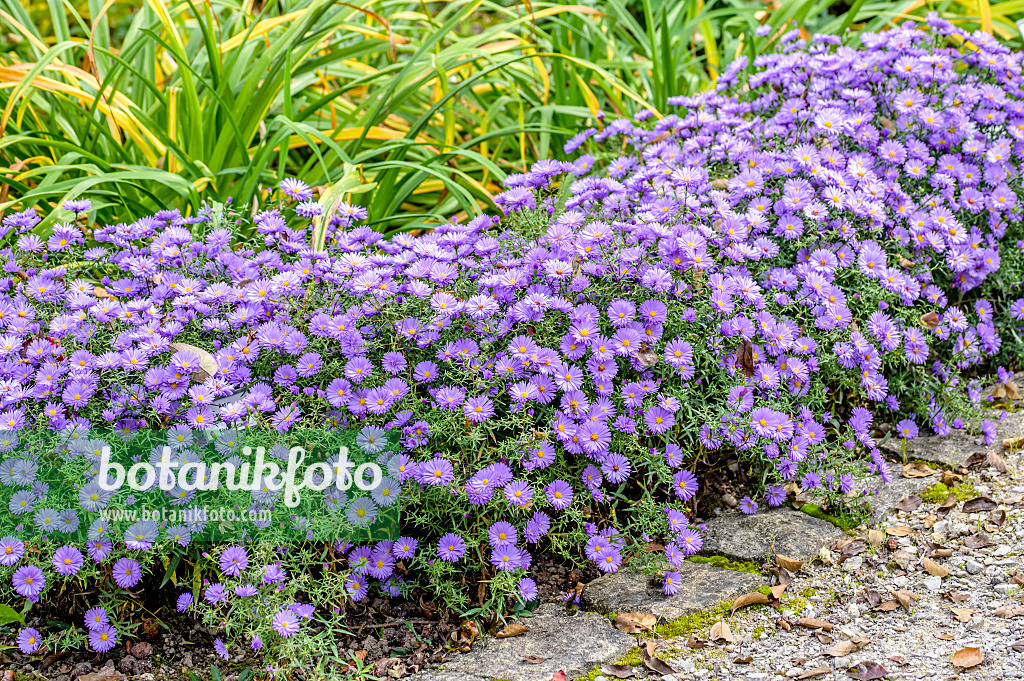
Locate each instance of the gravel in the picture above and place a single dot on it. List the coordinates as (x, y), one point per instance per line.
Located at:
(918, 643)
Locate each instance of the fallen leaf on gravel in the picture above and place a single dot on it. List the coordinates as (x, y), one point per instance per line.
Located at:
(956, 597)
(997, 462)
(1017, 578)
(533, 659)
(720, 632)
(812, 623)
(824, 638)
(694, 643)
(910, 503)
(791, 564)
(902, 558)
(634, 622)
(962, 614)
(1009, 611)
(906, 598)
(1012, 442)
(899, 531)
(944, 637)
(743, 660)
(965, 658)
(977, 541)
(514, 629)
(854, 547)
(1017, 646)
(975, 459)
(943, 553)
(841, 649)
(997, 517)
(866, 671)
(654, 664)
(979, 504)
(934, 568)
(752, 598)
(777, 592)
(918, 469)
(930, 520)
(888, 606)
(817, 671)
(619, 671)
(784, 624)
(875, 538)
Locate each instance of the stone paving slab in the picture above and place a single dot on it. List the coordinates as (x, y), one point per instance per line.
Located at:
(574, 644)
(702, 587)
(752, 538)
(951, 451)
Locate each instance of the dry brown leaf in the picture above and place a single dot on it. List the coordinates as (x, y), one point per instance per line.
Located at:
(979, 504)
(965, 658)
(534, 659)
(784, 624)
(634, 622)
(875, 538)
(777, 591)
(823, 638)
(646, 356)
(918, 469)
(930, 320)
(1009, 611)
(934, 568)
(1013, 442)
(812, 623)
(906, 598)
(619, 671)
(962, 614)
(888, 606)
(752, 598)
(791, 564)
(720, 632)
(817, 671)
(743, 660)
(841, 649)
(944, 637)
(909, 503)
(694, 643)
(899, 531)
(513, 629)
(977, 541)
(653, 663)
(997, 462)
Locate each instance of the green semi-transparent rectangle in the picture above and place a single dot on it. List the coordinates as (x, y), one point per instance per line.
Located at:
(228, 485)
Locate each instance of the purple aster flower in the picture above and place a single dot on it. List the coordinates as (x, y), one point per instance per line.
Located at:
(96, 617)
(748, 506)
(559, 494)
(29, 581)
(671, 584)
(67, 560)
(285, 623)
(234, 561)
(684, 484)
(690, 542)
(451, 548)
(127, 572)
(776, 495)
(220, 649)
(102, 639)
(28, 640)
(527, 589)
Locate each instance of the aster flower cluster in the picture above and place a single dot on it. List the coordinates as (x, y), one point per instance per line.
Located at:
(805, 250)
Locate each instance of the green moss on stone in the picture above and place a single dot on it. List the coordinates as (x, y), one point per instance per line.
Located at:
(846, 524)
(938, 493)
(723, 562)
